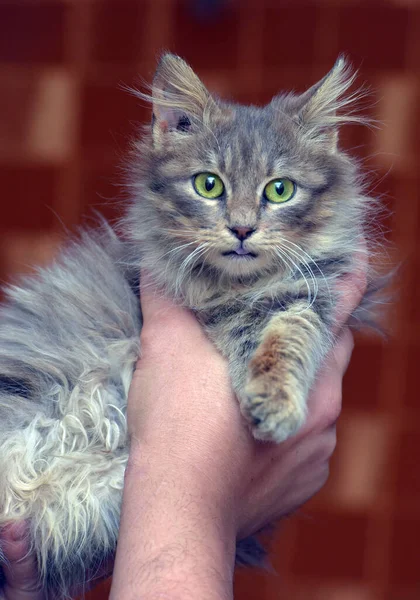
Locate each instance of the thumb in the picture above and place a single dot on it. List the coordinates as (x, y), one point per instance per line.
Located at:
(352, 287)
(20, 568)
(157, 308)
(153, 301)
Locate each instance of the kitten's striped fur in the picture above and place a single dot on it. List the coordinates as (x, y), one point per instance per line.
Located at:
(69, 336)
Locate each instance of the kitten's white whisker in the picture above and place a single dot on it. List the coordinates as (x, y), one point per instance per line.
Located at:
(172, 254)
(308, 268)
(185, 263)
(178, 248)
(284, 256)
(314, 262)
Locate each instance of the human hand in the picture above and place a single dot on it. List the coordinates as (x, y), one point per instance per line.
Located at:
(196, 479)
(20, 571)
(187, 408)
(19, 568)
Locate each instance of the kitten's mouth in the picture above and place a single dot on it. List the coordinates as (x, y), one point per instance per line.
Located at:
(240, 253)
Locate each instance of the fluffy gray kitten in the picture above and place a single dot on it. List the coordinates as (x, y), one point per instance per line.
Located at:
(247, 216)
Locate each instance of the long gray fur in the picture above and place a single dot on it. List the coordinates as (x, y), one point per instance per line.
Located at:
(69, 336)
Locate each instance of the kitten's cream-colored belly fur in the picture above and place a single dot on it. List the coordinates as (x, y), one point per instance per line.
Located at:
(68, 343)
(65, 474)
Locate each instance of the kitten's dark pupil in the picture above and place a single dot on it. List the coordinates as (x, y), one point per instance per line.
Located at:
(183, 124)
(210, 183)
(279, 185)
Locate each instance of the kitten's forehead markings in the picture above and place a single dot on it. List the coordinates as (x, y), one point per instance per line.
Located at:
(212, 164)
(259, 148)
(227, 158)
(243, 199)
(314, 178)
(172, 168)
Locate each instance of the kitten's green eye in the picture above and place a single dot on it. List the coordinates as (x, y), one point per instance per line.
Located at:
(208, 185)
(280, 190)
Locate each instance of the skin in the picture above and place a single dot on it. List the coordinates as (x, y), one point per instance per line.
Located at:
(213, 483)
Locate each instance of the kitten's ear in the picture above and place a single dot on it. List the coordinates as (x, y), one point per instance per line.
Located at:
(322, 109)
(181, 102)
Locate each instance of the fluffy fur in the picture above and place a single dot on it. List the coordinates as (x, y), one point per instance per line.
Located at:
(69, 336)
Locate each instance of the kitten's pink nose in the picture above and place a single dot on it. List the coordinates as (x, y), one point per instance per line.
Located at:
(242, 232)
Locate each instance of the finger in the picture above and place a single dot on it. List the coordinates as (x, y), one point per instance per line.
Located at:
(152, 300)
(20, 568)
(328, 388)
(324, 402)
(351, 287)
(343, 349)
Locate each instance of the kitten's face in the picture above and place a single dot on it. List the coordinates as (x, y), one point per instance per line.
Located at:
(248, 196)
(242, 190)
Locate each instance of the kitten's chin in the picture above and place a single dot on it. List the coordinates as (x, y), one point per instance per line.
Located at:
(236, 265)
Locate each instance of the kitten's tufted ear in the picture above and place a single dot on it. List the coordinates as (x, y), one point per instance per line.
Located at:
(322, 109)
(181, 102)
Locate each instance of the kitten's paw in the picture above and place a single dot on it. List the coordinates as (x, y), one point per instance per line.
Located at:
(275, 412)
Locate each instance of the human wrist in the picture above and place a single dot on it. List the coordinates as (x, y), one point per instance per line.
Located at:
(188, 535)
(198, 451)
(172, 478)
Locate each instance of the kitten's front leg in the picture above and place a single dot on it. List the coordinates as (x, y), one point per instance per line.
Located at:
(281, 373)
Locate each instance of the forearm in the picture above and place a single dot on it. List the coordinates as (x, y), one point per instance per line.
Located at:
(175, 542)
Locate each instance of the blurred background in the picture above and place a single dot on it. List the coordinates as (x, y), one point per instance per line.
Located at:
(65, 123)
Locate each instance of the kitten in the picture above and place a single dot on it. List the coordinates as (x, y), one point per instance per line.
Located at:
(246, 215)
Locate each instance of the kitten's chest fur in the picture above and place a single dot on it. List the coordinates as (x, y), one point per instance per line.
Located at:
(235, 320)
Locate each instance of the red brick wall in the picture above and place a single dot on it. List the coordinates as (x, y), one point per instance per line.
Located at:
(64, 127)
